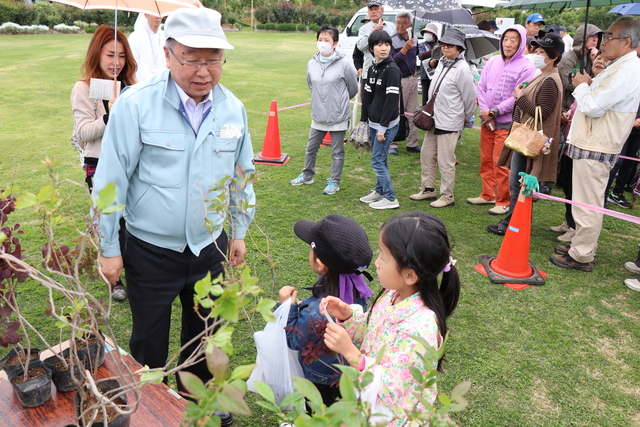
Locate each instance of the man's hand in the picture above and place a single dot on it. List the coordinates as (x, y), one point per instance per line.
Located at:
(237, 251)
(636, 124)
(565, 118)
(378, 26)
(408, 46)
(380, 137)
(359, 71)
(518, 91)
(111, 268)
(581, 77)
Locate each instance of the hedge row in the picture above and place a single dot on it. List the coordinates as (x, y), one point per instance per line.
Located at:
(307, 13)
(52, 14)
(270, 26)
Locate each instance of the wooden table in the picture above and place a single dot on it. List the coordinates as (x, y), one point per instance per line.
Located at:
(159, 405)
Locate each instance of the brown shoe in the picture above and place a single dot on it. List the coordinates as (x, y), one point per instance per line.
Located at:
(424, 194)
(561, 249)
(565, 261)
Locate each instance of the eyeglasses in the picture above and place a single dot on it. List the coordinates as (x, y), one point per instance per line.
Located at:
(213, 65)
(403, 24)
(606, 40)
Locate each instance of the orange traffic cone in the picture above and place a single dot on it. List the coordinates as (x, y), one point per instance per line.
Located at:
(270, 154)
(512, 266)
(326, 141)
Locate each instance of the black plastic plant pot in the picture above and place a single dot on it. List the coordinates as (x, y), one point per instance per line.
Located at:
(33, 392)
(104, 386)
(64, 378)
(92, 353)
(16, 365)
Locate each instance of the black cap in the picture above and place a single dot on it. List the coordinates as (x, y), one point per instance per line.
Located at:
(374, 3)
(551, 40)
(493, 24)
(339, 242)
(553, 28)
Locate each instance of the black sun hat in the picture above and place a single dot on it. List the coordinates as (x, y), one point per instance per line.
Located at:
(339, 242)
(550, 40)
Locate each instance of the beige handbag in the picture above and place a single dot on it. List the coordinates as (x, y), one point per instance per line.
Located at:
(527, 139)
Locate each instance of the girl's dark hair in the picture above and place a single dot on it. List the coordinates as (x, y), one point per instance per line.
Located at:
(554, 54)
(419, 241)
(327, 285)
(335, 35)
(379, 37)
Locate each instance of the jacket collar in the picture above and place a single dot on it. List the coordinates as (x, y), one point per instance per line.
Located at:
(404, 309)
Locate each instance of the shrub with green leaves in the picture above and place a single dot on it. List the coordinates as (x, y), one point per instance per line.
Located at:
(286, 27)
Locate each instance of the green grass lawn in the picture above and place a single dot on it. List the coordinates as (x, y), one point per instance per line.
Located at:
(563, 354)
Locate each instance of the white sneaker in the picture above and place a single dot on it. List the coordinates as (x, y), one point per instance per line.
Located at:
(632, 267)
(443, 201)
(632, 284)
(480, 201)
(372, 197)
(499, 210)
(385, 204)
(568, 236)
(562, 228)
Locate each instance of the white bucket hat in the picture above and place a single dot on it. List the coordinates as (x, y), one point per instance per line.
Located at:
(196, 27)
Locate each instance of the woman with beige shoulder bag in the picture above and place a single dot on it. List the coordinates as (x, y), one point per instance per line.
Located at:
(544, 93)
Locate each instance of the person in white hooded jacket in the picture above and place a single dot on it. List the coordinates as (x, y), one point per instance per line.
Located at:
(147, 45)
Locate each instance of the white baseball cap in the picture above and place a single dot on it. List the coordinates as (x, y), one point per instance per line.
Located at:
(196, 27)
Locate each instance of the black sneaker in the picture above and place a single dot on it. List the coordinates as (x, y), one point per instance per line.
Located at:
(618, 199)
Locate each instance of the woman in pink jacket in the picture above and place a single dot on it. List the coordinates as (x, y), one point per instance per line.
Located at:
(502, 74)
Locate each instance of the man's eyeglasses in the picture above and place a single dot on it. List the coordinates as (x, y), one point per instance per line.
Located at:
(213, 65)
(607, 39)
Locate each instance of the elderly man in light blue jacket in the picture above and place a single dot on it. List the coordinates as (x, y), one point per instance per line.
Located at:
(169, 140)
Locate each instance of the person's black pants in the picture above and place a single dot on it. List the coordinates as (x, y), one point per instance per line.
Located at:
(425, 90)
(155, 277)
(624, 168)
(566, 171)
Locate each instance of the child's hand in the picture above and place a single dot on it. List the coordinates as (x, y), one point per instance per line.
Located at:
(286, 292)
(336, 308)
(338, 340)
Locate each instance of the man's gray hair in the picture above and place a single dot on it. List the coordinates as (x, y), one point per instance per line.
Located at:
(404, 14)
(170, 42)
(628, 27)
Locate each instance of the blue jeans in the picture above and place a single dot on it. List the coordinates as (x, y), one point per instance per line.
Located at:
(379, 163)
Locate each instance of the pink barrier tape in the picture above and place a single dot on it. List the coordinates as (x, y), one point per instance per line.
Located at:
(295, 106)
(629, 158)
(604, 211)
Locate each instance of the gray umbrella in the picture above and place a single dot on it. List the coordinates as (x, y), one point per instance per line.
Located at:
(423, 5)
(478, 43)
(453, 17)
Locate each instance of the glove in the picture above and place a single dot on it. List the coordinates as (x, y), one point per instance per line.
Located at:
(529, 182)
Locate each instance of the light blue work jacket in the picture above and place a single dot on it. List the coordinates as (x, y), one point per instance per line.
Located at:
(163, 170)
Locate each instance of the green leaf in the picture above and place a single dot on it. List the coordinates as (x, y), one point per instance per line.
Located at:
(222, 339)
(308, 390)
(232, 399)
(383, 349)
(347, 388)
(341, 409)
(422, 341)
(218, 363)
(106, 197)
(113, 209)
(367, 379)
(268, 405)
(242, 372)
(291, 399)
(25, 200)
(193, 385)
(459, 391)
(444, 399)
(416, 374)
(202, 286)
(265, 391)
(152, 377)
(60, 324)
(265, 308)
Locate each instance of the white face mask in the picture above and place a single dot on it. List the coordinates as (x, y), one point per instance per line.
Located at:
(538, 61)
(324, 48)
(428, 37)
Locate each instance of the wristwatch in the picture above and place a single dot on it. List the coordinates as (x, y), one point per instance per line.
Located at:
(492, 114)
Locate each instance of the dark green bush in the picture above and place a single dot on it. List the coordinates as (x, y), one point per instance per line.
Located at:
(302, 27)
(286, 27)
(270, 26)
(260, 27)
(314, 27)
(90, 30)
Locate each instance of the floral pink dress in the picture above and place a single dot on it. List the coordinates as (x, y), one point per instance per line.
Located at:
(389, 325)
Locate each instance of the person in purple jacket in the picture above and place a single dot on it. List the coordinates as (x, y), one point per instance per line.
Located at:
(502, 74)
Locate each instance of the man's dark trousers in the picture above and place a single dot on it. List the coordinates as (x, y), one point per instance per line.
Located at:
(155, 277)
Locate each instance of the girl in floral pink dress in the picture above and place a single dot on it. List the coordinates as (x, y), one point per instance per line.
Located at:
(414, 253)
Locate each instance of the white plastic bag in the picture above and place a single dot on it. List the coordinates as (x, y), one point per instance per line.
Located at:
(370, 395)
(277, 363)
